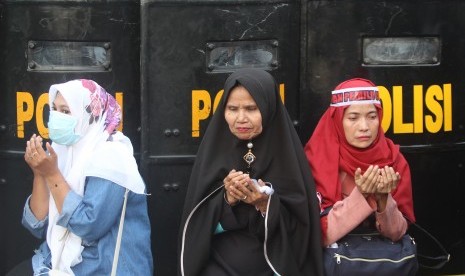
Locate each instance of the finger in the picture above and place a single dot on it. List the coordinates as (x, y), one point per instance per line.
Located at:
(390, 174)
(372, 185)
(372, 174)
(243, 190)
(233, 194)
(368, 171)
(236, 176)
(32, 138)
(34, 142)
(50, 149)
(358, 173)
(396, 181)
(28, 147)
(29, 152)
(380, 187)
(236, 192)
(39, 149)
(227, 179)
(384, 176)
(36, 149)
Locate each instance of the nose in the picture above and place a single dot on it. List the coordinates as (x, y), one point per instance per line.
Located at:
(241, 115)
(363, 126)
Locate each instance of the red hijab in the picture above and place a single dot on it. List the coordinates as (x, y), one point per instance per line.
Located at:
(329, 152)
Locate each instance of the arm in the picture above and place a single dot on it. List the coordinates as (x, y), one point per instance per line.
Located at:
(345, 216)
(47, 177)
(38, 202)
(37, 227)
(239, 215)
(94, 214)
(390, 222)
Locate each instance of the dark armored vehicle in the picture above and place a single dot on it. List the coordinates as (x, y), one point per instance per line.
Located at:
(166, 61)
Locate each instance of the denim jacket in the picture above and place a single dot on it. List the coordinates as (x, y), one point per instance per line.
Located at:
(95, 218)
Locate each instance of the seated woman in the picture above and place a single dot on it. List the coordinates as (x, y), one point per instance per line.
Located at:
(230, 226)
(80, 186)
(362, 178)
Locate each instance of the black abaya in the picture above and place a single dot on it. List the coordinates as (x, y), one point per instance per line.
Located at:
(286, 241)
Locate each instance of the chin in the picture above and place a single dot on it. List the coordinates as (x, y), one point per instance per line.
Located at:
(363, 145)
(242, 136)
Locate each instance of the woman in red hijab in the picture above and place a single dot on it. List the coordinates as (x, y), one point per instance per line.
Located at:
(361, 177)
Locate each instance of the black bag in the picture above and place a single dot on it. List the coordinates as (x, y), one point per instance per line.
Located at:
(371, 254)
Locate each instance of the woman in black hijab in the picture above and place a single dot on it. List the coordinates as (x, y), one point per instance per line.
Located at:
(228, 226)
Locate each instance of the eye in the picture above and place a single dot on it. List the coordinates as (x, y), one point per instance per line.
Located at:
(373, 116)
(232, 108)
(252, 108)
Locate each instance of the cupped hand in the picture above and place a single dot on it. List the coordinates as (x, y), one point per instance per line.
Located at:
(231, 182)
(252, 193)
(388, 180)
(367, 183)
(38, 159)
(239, 187)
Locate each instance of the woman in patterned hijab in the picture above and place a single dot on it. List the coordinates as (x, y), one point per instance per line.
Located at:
(80, 184)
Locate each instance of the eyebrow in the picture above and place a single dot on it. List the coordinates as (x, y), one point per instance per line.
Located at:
(60, 106)
(359, 113)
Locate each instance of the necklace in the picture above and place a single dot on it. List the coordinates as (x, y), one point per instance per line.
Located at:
(249, 157)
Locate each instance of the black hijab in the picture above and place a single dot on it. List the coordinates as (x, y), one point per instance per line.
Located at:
(293, 240)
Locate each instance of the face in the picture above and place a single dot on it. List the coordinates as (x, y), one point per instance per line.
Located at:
(60, 104)
(242, 114)
(361, 123)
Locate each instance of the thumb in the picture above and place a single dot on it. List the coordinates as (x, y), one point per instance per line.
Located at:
(358, 173)
(50, 150)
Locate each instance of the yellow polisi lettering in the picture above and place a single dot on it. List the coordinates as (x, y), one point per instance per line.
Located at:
(217, 100)
(41, 103)
(447, 88)
(201, 107)
(25, 111)
(432, 110)
(387, 107)
(418, 108)
(398, 112)
(434, 122)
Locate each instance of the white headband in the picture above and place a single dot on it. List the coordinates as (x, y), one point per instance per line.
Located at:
(354, 95)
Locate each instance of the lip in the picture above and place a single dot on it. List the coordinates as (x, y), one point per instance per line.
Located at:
(242, 129)
(363, 138)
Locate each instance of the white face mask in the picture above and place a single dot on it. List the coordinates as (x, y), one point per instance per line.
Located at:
(61, 128)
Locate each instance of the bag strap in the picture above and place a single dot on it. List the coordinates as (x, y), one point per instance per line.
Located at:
(120, 234)
(325, 212)
(443, 259)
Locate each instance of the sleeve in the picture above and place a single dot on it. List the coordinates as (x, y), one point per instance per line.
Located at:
(391, 223)
(241, 216)
(96, 212)
(345, 216)
(38, 228)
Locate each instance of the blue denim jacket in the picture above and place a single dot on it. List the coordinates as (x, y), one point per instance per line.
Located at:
(95, 218)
